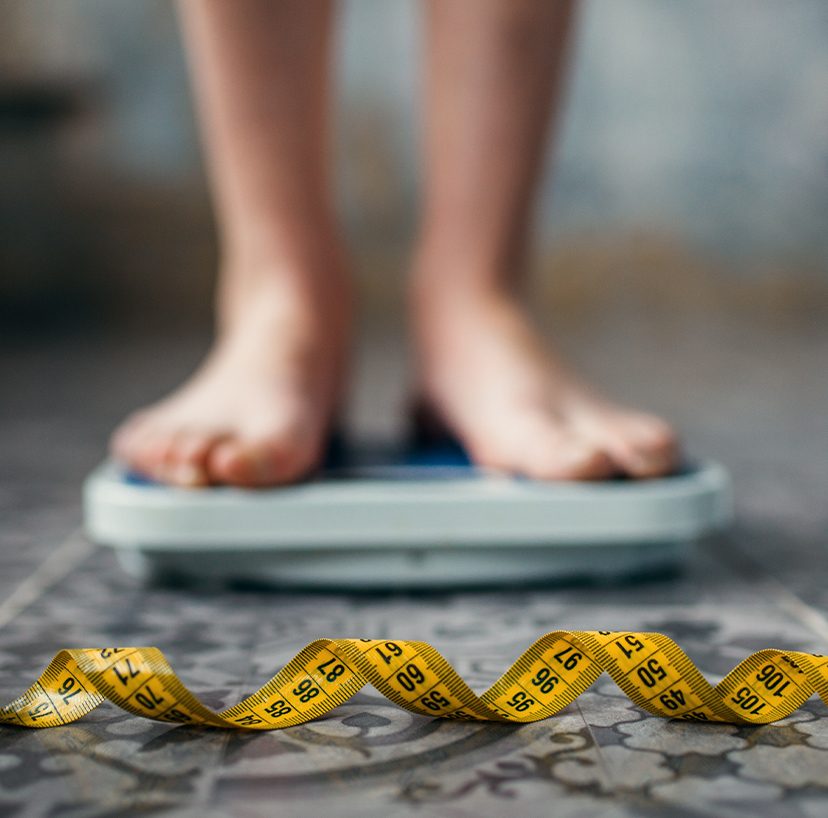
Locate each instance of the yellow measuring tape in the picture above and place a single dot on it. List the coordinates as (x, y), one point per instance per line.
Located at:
(649, 667)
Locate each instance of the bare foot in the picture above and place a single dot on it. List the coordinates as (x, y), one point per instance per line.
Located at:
(514, 406)
(258, 410)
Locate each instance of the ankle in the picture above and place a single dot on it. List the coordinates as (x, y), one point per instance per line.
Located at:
(460, 274)
(455, 299)
(316, 289)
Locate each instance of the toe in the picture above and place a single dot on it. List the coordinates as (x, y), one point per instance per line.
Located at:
(542, 448)
(228, 463)
(566, 456)
(642, 445)
(138, 444)
(186, 462)
(150, 453)
(262, 461)
(124, 440)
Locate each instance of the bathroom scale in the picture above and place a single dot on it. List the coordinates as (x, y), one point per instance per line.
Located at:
(380, 517)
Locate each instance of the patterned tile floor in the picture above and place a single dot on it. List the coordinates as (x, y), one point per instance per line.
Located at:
(752, 396)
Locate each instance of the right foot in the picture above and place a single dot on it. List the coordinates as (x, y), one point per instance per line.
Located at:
(258, 410)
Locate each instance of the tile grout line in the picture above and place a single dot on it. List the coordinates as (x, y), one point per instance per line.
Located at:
(55, 567)
(798, 608)
(602, 761)
(212, 774)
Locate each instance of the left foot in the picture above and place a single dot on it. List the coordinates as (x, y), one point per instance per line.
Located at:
(516, 407)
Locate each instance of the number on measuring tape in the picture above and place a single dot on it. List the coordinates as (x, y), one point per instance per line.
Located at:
(331, 674)
(546, 680)
(696, 716)
(40, 711)
(435, 700)
(278, 708)
(174, 714)
(773, 680)
(68, 688)
(126, 673)
(248, 720)
(569, 658)
(629, 645)
(388, 652)
(520, 702)
(651, 673)
(148, 698)
(673, 699)
(748, 700)
(306, 690)
(410, 677)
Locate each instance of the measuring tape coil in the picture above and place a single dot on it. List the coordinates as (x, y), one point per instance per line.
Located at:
(649, 667)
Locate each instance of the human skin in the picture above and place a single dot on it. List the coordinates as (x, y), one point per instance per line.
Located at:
(259, 410)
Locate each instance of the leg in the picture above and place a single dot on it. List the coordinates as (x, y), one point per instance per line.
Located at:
(494, 69)
(258, 409)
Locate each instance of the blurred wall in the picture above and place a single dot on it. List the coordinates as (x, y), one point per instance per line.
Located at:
(698, 128)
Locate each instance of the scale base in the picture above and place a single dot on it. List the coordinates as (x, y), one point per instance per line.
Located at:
(408, 570)
(381, 519)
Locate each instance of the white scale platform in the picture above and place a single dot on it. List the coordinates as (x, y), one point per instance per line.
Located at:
(382, 521)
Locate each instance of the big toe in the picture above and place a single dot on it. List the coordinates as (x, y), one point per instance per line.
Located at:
(267, 460)
(149, 453)
(142, 445)
(125, 440)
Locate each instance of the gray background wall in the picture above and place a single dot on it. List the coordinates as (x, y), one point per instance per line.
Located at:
(700, 125)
